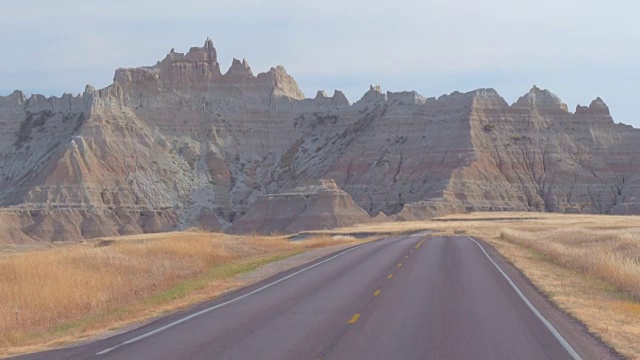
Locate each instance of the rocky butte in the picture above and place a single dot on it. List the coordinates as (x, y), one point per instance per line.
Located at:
(181, 144)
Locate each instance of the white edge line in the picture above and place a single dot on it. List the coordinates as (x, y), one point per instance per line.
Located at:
(535, 311)
(225, 303)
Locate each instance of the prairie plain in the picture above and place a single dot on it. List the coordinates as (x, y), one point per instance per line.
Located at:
(587, 265)
(56, 296)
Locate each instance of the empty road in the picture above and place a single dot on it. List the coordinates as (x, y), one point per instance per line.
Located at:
(410, 297)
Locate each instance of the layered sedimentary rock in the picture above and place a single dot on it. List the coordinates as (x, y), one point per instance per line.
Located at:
(181, 144)
(312, 206)
(536, 155)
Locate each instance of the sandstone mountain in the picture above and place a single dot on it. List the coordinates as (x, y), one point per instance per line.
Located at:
(181, 144)
(316, 205)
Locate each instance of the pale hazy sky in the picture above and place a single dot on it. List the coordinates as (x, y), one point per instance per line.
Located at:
(578, 49)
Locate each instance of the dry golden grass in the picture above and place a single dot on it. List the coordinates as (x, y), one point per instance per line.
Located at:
(379, 228)
(589, 265)
(70, 290)
(609, 255)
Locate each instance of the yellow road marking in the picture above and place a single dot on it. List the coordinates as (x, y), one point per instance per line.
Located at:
(389, 276)
(406, 257)
(420, 243)
(400, 264)
(354, 318)
(376, 293)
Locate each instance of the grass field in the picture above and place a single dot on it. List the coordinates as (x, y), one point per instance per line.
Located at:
(72, 291)
(588, 265)
(611, 255)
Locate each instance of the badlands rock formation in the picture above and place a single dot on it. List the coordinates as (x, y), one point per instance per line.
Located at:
(181, 144)
(317, 205)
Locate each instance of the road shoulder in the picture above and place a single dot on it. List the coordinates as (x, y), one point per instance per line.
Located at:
(587, 344)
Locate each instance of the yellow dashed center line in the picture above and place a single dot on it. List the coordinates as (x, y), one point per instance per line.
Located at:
(354, 319)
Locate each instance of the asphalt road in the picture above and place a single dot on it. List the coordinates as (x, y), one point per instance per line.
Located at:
(409, 297)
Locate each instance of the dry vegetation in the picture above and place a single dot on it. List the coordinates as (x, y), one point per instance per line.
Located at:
(588, 265)
(72, 290)
(610, 255)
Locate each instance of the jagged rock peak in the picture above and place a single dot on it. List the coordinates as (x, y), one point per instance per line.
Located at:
(456, 95)
(488, 97)
(597, 107)
(374, 95)
(340, 98)
(209, 43)
(207, 53)
(283, 83)
(239, 69)
(581, 109)
(15, 99)
(19, 95)
(542, 100)
(240, 64)
(321, 94)
(199, 69)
